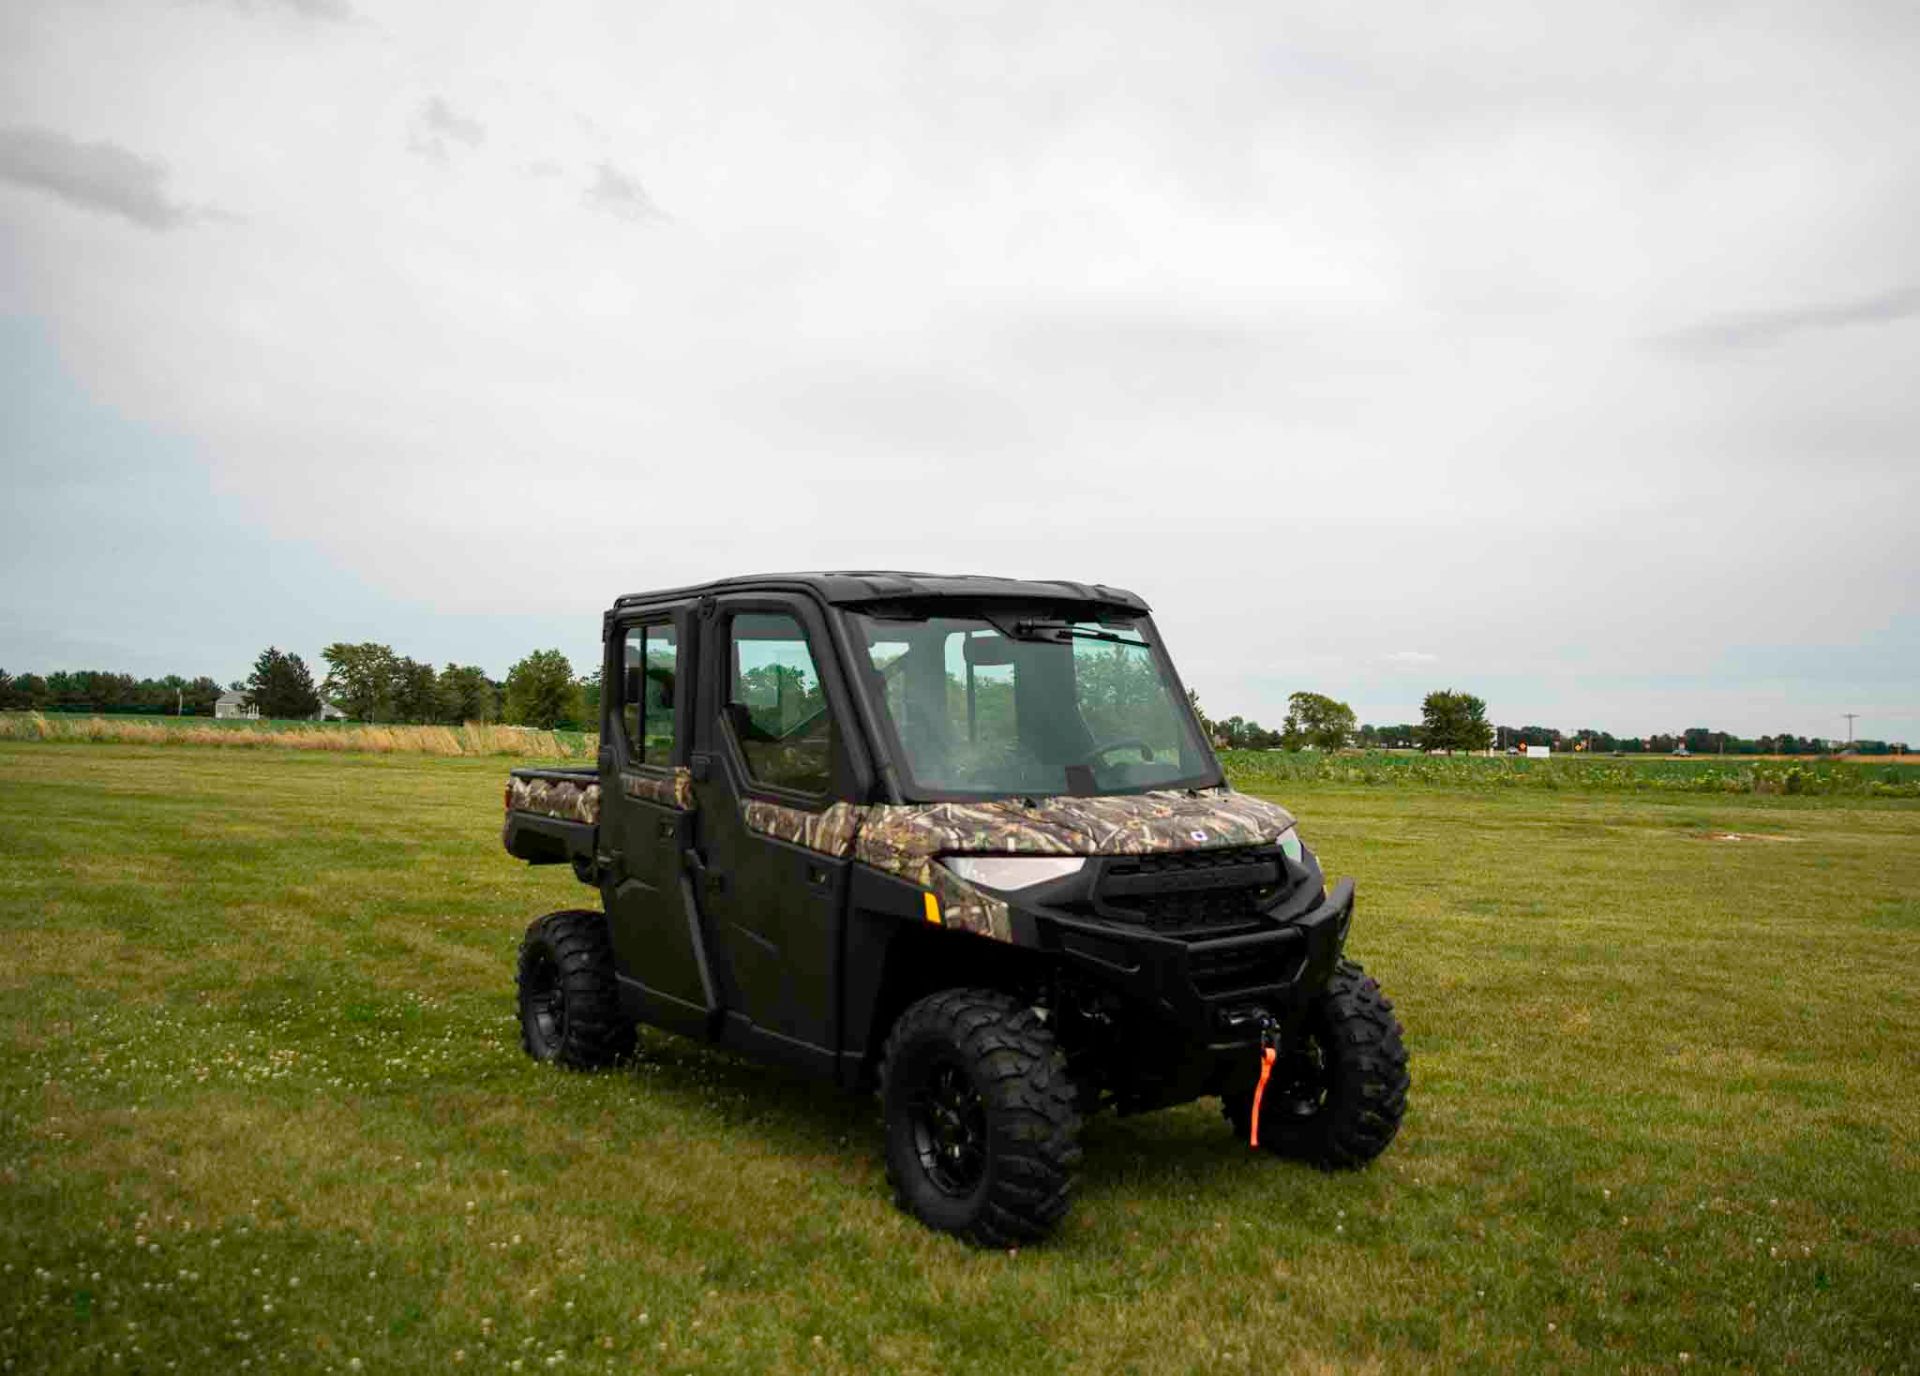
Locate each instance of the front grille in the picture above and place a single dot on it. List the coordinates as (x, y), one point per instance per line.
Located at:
(1207, 893)
(1236, 971)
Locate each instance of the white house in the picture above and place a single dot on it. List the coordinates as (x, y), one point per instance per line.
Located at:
(234, 704)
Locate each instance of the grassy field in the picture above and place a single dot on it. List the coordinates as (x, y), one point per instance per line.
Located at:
(263, 1107)
(1882, 777)
(338, 737)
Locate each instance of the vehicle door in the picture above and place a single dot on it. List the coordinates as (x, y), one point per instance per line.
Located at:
(774, 786)
(646, 811)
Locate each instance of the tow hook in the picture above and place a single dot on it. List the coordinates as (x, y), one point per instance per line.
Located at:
(1269, 1027)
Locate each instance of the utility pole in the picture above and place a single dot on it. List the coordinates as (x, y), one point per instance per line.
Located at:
(1849, 716)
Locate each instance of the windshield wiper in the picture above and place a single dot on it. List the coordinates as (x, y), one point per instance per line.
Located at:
(1054, 632)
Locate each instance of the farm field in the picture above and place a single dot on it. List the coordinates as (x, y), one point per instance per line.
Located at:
(470, 738)
(1884, 776)
(263, 1102)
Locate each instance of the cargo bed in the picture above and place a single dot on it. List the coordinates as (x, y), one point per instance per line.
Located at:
(553, 816)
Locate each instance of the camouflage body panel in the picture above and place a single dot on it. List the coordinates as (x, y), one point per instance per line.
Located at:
(833, 831)
(967, 909)
(569, 801)
(830, 832)
(904, 839)
(673, 789)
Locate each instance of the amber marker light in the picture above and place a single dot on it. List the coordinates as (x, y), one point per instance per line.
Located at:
(932, 907)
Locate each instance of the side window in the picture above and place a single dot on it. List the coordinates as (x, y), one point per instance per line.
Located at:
(650, 660)
(776, 706)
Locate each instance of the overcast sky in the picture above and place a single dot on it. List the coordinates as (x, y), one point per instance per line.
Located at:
(1567, 354)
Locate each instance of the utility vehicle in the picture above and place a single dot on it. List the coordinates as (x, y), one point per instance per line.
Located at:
(962, 839)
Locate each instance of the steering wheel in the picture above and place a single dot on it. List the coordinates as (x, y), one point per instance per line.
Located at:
(1093, 755)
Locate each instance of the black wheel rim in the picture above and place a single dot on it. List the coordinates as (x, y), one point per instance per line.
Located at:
(950, 1130)
(545, 1003)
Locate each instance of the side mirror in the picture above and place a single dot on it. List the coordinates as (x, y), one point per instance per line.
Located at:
(634, 684)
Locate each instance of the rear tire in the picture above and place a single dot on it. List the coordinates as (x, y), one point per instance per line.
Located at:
(569, 998)
(982, 1127)
(1336, 1100)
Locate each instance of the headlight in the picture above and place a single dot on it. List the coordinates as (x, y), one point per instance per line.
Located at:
(1289, 841)
(1011, 872)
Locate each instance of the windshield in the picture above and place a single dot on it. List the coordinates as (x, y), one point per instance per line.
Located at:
(1019, 705)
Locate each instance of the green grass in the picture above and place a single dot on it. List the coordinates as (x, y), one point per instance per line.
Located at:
(345, 738)
(573, 735)
(1878, 778)
(263, 1102)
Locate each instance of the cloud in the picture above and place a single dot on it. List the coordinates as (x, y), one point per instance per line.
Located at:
(101, 177)
(317, 9)
(333, 11)
(1324, 329)
(1760, 329)
(1410, 657)
(437, 124)
(620, 195)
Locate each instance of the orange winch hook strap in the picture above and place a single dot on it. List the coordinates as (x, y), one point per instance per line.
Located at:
(1259, 1091)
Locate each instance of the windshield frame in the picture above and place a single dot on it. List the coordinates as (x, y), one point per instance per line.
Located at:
(896, 762)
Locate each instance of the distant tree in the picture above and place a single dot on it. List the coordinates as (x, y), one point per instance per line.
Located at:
(589, 685)
(416, 691)
(1390, 737)
(360, 679)
(281, 685)
(1243, 733)
(1454, 721)
(466, 694)
(198, 697)
(1206, 724)
(541, 691)
(1313, 719)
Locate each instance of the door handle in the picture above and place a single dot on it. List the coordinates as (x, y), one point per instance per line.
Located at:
(817, 876)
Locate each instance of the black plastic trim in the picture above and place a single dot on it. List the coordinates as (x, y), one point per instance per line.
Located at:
(1293, 962)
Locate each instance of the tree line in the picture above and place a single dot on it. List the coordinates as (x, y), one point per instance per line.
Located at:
(368, 682)
(1451, 720)
(97, 690)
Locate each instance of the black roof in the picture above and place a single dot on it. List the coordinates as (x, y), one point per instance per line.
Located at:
(855, 587)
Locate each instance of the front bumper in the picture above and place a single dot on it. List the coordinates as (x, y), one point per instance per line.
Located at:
(1199, 984)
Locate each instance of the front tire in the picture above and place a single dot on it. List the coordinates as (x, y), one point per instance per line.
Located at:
(569, 998)
(1337, 1097)
(982, 1127)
